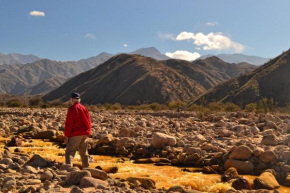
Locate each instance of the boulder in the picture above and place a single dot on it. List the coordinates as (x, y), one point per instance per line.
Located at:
(46, 175)
(191, 159)
(230, 174)
(122, 142)
(99, 174)
(15, 141)
(286, 156)
(106, 139)
(146, 183)
(161, 139)
(270, 140)
(266, 181)
(287, 181)
(242, 183)
(74, 178)
(241, 153)
(92, 182)
(126, 132)
(176, 189)
(37, 161)
(267, 156)
(9, 184)
(49, 134)
(244, 167)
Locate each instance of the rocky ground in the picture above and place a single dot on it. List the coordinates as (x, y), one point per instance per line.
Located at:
(231, 144)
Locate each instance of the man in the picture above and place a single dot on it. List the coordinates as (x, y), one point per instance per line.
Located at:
(77, 129)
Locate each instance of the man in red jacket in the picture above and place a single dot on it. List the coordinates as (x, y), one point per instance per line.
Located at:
(77, 129)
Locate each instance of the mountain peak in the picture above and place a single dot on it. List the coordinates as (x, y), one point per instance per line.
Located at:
(150, 52)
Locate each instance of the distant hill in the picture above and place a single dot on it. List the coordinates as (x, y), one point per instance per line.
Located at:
(96, 60)
(17, 58)
(270, 80)
(19, 79)
(45, 86)
(239, 58)
(150, 52)
(134, 79)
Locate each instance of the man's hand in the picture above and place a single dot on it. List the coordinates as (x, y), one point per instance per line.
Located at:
(65, 140)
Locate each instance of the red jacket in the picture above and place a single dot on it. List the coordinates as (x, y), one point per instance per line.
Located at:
(78, 121)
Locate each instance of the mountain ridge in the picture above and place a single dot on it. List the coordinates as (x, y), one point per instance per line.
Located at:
(238, 58)
(270, 81)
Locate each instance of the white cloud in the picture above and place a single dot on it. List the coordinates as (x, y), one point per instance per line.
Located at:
(165, 36)
(37, 13)
(210, 24)
(211, 41)
(183, 55)
(90, 36)
(125, 45)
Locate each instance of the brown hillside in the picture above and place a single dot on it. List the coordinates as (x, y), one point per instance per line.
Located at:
(129, 79)
(270, 80)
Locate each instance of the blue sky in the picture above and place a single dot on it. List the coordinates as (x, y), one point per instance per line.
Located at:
(77, 29)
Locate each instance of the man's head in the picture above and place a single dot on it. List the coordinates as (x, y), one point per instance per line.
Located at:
(75, 98)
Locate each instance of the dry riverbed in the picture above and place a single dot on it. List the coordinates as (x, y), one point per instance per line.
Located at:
(226, 146)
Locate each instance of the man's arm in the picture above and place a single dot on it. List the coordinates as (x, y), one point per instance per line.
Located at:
(70, 119)
(89, 122)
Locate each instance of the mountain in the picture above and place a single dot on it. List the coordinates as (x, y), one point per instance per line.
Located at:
(239, 58)
(210, 71)
(17, 58)
(19, 79)
(270, 80)
(134, 79)
(45, 86)
(96, 60)
(129, 79)
(150, 52)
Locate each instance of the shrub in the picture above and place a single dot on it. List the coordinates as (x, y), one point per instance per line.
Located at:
(55, 103)
(14, 103)
(173, 105)
(201, 111)
(116, 106)
(231, 107)
(266, 105)
(252, 107)
(35, 102)
(156, 107)
(216, 106)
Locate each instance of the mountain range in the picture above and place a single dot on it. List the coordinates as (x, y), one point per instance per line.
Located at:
(270, 80)
(239, 58)
(17, 59)
(45, 75)
(135, 79)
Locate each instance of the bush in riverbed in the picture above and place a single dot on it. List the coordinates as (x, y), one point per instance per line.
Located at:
(252, 107)
(231, 107)
(35, 101)
(174, 105)
(14, 103)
